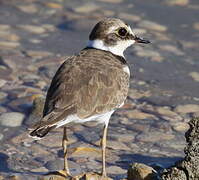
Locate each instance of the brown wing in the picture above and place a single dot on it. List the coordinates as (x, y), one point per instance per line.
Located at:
(85, 87)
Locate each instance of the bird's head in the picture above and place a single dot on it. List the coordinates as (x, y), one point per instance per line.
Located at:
(113, 35)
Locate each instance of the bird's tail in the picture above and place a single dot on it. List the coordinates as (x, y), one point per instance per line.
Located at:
(41, 131)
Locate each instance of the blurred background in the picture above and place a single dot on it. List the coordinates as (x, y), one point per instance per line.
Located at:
(35, 38)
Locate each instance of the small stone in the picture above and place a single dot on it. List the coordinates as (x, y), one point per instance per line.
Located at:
(152, 26)
(115, 170)
(129, 17)
(188, 108)
(139, 171)
(136, 114)
(149, 54)
(2, 82)
(177, 2)
(196, 26)
(172, 49)
(194, 75)
(7, 44)
(4, 27)
(86, 8)
(154, 136)
(139, 31)
(1, 136)
(111, 1)
(11, 119)
(53, 5)
(85, 151)
(180, 126)
(33, 29)
(117, 145)
(35, 41)
(39, 170)
(38, 54)
(29, 8)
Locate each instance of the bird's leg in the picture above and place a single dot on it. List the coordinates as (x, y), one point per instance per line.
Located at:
(64, 145)
(103, 144)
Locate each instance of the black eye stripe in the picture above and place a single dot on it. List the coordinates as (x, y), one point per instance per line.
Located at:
(122, 32)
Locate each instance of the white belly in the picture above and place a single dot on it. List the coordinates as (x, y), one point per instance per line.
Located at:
(126, 70)
(100, 118)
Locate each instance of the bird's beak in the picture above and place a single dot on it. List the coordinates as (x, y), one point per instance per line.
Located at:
(140, 40)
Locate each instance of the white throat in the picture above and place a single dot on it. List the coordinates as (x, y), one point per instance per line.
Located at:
(117, 49)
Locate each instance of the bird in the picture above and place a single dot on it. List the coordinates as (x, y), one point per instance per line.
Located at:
(90, 85)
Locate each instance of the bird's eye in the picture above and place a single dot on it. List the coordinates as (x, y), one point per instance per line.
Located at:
(122, 32)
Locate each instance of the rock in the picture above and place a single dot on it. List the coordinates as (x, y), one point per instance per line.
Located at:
(180, 126)
(115, 170)
(154, 136)
(39, 170)
(152, 26)
(137, 114)
(111, 1)
(195, 76)
(153, 55)
(3, 95)
(7, 44)
(8, 36)
(85, 151)
(61, 175)
(4, 27)
(28, 8)
(172, 49)
(188, 108)
(117, 145)
(32, 29)
(129, 17)
(11, 119)
(1, 136)
(14, 177)
(86, 8)
(177, 2)
(53, 5)
(187, 168)
(167, 114)
(196, 26)
(139, 171)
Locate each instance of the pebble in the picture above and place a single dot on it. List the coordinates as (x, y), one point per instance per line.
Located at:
(115, 170)
(86, 8)
(3, 95)
(1, 136)
(154, 137)
(129, 17)
(28, 8)
(152, 26)
(136, 114)
(196, 26)
(177, 2)
(180, 126)
(111, 1)
(139, 171)
(11, 119)
(7, 44)
(154, 55)
(38, 54)
(117, 145)
(195, 76)
(32, 29)
(187, 108)
(172, 49)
